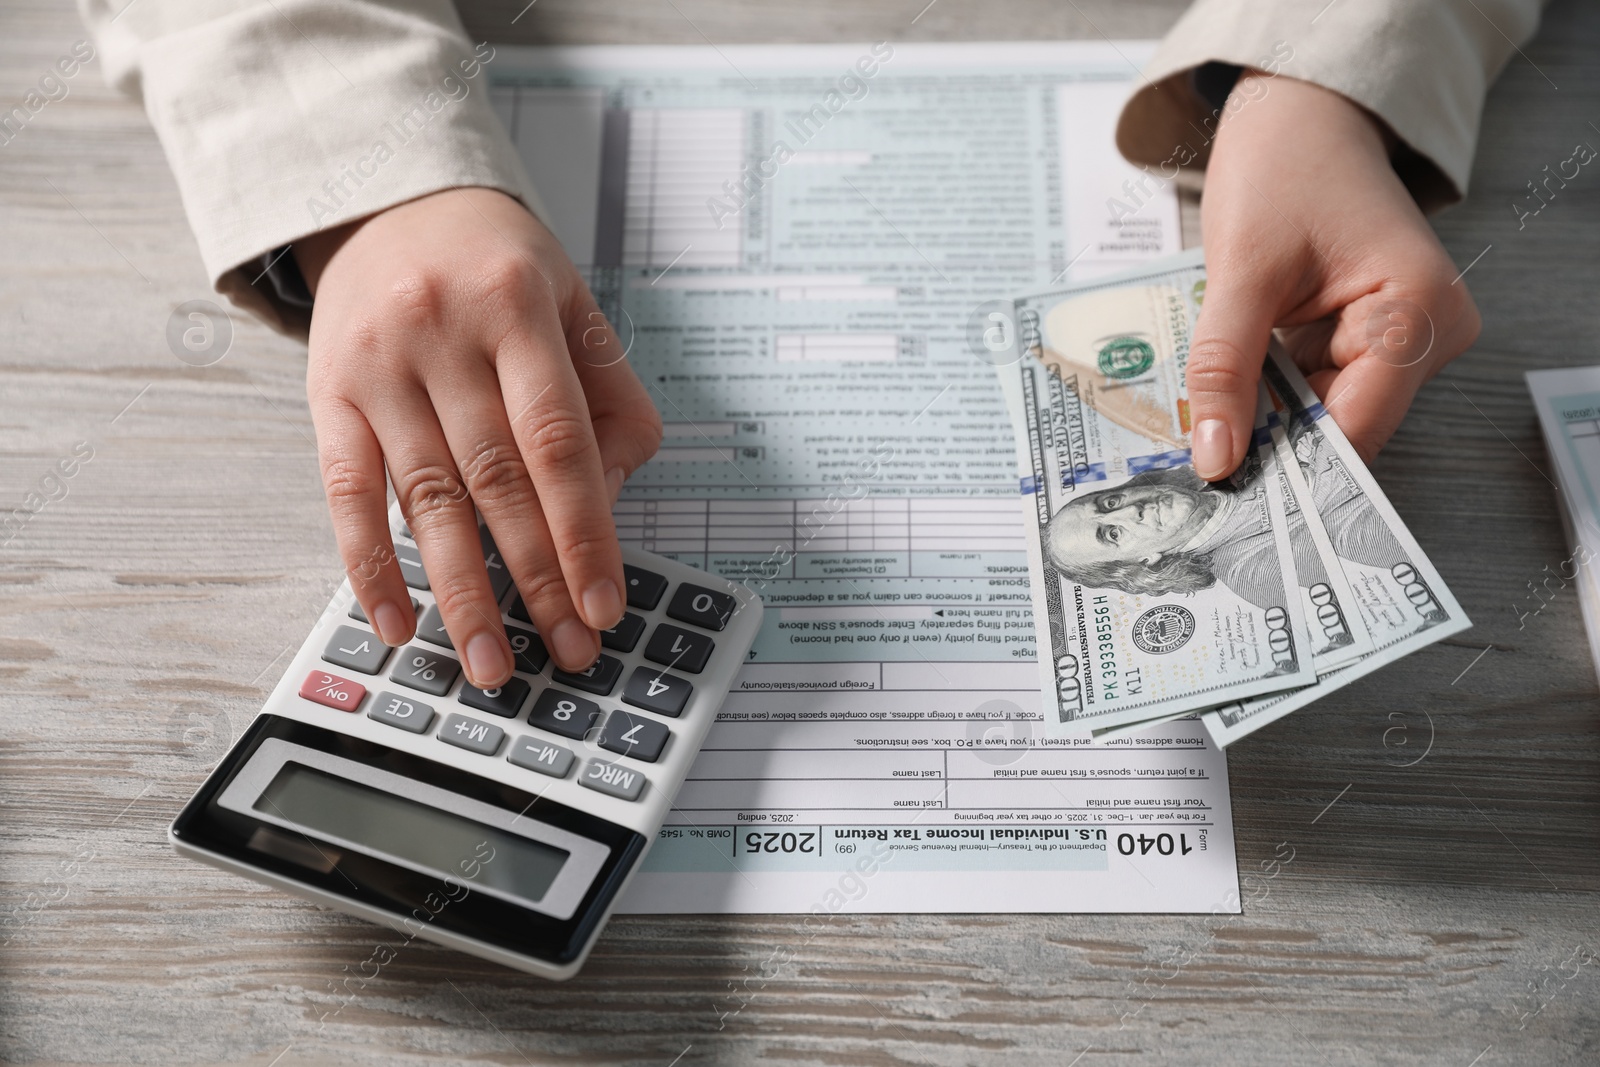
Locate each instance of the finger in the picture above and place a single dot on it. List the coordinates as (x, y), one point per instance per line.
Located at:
(1386, 346)
(440, 513)
(627, 425)
(474, 422)
(1307, 344)
(1230, 341)
(353, 480)
(1368, 399)
(550, 423)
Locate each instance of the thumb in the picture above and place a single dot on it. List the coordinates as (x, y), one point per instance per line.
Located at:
(1230, 341)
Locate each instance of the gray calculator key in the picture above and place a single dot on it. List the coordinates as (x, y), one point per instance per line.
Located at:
(411, 566)
(564, 714)
(361, 616)
(431, 628)
(422, 668)
(638, 736)
(528, 650)
(679, 649)
(401, 711)
(504, 700)
(657, 691)
(359, 650)
(612, 778)
(541, 756)
(472, 735)
(499, 576)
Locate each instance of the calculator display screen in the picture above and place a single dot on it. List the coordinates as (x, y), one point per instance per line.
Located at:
(419, 833)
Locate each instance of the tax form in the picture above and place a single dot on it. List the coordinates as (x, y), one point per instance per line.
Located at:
(796, 245)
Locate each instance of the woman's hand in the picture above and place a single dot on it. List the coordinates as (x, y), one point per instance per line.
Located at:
(1308, 229)
(453, 343)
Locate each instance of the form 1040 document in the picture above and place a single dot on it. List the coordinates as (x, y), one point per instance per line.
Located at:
(798, 247)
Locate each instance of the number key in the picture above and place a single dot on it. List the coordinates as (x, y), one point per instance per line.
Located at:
(599, 677)
(633, 735)
(679, 649)
(624, 635)
(503, 700)
(529, 650)
(701, 606)
(564, 714)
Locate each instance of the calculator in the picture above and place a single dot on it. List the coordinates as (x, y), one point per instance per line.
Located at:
(502, 822)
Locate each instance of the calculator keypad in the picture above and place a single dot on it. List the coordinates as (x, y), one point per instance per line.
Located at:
(635, 734)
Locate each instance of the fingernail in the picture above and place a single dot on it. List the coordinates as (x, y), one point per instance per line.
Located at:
(390, 622)
(1211, 447)
(573, 644)
(614, 480)
(487, 663)
(602, 603)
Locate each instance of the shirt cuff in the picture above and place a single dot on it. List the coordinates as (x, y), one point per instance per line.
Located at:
(1421, 68)
(340, 119)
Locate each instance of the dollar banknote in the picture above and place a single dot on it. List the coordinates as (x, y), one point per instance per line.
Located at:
(1154, 593)
(1394, 590)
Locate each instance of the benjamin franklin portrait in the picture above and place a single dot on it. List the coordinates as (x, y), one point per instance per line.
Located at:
(1164, 532)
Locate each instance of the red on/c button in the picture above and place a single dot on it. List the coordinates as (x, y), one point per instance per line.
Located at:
(332, 691)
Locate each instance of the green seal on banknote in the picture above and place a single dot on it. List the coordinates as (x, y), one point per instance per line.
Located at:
(1126, 357)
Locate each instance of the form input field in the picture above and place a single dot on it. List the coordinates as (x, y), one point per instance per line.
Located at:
(837, 347)
(679, 280)
(883, 294)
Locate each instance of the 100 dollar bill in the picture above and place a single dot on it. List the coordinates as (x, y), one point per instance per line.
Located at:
(1155, 592)
(1394, 591)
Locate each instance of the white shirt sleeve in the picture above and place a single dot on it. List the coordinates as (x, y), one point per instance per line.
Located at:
(281, 118)
(1422, 66)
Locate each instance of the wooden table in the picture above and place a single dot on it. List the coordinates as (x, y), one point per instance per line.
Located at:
(1424, 915)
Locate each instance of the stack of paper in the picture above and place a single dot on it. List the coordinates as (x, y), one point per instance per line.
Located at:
(1157, 596)
(1568, 402)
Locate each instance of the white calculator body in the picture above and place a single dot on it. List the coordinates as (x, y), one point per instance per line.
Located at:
(504, 822)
